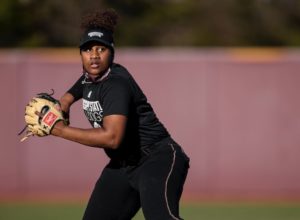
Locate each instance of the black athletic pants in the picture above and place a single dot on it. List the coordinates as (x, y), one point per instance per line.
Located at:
(155, 185)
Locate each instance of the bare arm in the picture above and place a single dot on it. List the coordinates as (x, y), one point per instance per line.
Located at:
(109, 136)
(66, 101)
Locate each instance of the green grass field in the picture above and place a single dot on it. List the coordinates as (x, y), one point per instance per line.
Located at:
(189, 211)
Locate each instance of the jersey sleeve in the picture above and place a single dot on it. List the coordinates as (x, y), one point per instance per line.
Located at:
(77, 89)
(117, 97)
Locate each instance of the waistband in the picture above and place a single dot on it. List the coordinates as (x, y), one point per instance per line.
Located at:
(147, 149)
(144, 152)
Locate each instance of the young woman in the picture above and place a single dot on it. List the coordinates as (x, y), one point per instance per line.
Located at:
(147, 168)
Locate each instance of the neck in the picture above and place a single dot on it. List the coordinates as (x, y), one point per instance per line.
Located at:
(100, 77)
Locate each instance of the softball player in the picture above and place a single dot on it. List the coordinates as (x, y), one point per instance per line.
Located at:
(147, 168)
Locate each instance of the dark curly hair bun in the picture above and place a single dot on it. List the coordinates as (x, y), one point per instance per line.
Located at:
(106, 19)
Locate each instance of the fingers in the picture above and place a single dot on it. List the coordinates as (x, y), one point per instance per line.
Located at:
(36, 130)
(29, 110)
(30, 120)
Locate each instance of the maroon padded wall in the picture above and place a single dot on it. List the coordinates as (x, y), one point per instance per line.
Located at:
(234, 111)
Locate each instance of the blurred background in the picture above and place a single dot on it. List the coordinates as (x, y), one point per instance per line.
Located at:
(159, 23)
(223, 76)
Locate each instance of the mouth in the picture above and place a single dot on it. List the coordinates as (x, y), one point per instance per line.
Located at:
(95, 65)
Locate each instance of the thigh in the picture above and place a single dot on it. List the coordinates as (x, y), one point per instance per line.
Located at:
(112, 198)
(161, 182)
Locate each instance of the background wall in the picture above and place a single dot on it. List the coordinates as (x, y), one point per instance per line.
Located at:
(234, 111)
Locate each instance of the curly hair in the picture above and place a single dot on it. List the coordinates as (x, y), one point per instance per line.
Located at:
(106, 19)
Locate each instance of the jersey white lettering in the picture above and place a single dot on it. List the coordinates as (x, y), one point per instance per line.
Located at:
(93, 111)
(96, 125)
(91, 106)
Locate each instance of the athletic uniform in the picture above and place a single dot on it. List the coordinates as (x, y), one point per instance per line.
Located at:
(148, 169)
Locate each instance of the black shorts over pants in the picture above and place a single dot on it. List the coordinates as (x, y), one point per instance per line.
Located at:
(156, 185)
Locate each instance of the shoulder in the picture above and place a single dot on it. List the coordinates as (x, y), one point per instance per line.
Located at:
(118, 68)
(120, 72)
(119, 75)
(118, 79)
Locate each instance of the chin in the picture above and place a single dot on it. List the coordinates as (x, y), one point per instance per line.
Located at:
(94, 72)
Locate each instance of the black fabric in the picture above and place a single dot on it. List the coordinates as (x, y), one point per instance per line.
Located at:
(112, 198)
(155, 185)
(148, 169)
(119, 94)
(100, 35)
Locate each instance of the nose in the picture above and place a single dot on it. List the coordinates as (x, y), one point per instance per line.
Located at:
(95, 54)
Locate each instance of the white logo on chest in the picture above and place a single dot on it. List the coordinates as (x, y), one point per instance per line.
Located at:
(89, 95)
(93, 111)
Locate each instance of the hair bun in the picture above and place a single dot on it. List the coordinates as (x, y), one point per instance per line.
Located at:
(107, 19)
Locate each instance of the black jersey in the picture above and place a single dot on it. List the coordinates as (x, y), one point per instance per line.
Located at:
(119, 94)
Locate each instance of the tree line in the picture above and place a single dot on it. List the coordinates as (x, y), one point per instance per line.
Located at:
(145, 23)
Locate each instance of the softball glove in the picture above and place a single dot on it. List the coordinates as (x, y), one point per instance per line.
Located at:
(41, 114)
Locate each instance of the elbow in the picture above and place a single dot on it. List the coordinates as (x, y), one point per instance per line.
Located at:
(114, 146)
(113, 143)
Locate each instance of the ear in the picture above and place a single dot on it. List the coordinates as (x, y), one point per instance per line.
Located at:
(111, 57)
